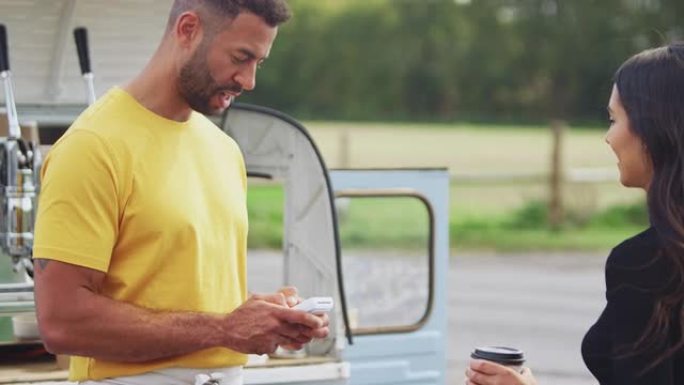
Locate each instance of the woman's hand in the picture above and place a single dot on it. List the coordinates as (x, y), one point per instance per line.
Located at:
(488, 373)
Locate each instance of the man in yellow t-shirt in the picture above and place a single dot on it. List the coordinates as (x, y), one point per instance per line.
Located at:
(141, 232)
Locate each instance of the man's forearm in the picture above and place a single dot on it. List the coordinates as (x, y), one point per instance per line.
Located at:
(99, 327)
(74, 318)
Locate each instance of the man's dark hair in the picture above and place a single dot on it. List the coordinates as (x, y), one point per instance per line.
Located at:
(273, 12)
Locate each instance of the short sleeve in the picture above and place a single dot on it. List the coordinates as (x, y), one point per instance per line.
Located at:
(79, 202)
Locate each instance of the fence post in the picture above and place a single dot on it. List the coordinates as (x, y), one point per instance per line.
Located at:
(344, 149)
(556, 209)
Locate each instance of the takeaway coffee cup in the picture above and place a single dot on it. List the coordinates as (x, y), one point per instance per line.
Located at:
(511, 357)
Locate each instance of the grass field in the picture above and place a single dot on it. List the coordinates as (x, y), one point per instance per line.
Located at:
(483, 215)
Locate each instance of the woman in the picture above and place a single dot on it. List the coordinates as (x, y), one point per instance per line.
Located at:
(638, 338)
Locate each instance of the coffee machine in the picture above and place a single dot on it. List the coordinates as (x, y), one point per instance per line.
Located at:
(20, 162)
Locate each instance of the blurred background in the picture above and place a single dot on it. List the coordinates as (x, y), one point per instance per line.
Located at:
(510, 95)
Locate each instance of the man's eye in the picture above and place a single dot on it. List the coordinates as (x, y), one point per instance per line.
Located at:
(611, 121)
(238, 60)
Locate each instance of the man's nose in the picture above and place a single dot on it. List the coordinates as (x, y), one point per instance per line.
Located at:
(247, 77)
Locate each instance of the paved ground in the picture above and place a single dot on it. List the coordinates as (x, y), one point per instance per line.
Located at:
(542, 304)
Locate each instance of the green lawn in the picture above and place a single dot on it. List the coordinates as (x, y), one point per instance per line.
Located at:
(403, 223)
(483, 215)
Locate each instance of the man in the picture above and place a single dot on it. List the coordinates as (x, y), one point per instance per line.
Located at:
(141, 232)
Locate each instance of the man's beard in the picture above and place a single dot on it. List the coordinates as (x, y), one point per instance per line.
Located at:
(198, 87)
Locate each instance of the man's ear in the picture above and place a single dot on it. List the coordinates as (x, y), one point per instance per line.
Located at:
(188, 29)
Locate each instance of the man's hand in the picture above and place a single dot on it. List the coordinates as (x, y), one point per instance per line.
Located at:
(309, 334)
(489, 373)
(293, 299)
(291, 296)
(266, 321)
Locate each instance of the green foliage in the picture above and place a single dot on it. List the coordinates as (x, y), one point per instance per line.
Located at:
(620, 215)
(527, 229)
(532, 215)
(516, 60)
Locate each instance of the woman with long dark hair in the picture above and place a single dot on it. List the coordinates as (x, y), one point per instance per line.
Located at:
(639, 338)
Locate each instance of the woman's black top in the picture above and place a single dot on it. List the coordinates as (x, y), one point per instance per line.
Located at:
(636, 271)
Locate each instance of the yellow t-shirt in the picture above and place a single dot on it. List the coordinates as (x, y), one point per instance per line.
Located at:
(158, 205)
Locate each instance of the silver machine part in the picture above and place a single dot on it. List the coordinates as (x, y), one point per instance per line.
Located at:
(19, 166)
(20, 162)
(89, 79)
(81, 40)
(14, 131)
(17, 186)
(19, 215)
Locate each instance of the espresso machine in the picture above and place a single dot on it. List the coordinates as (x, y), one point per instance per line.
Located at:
(20, 163)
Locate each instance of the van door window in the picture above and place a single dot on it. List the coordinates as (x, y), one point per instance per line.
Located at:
(386, 239)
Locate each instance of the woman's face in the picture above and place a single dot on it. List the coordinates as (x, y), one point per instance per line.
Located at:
(634, 163)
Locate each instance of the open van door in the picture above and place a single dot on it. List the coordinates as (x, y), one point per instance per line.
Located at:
(389, 322)
(280, 155)
(394, 247)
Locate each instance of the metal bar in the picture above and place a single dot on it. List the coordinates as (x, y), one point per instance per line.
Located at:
(54, 89)
(81, 39)
(90, 87)
(13, 121)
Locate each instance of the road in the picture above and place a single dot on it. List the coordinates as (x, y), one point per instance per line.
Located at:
(542, 304)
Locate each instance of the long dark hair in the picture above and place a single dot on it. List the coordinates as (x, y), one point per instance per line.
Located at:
(651, 88)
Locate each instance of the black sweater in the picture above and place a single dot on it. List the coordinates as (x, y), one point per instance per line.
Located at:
(635, 272)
